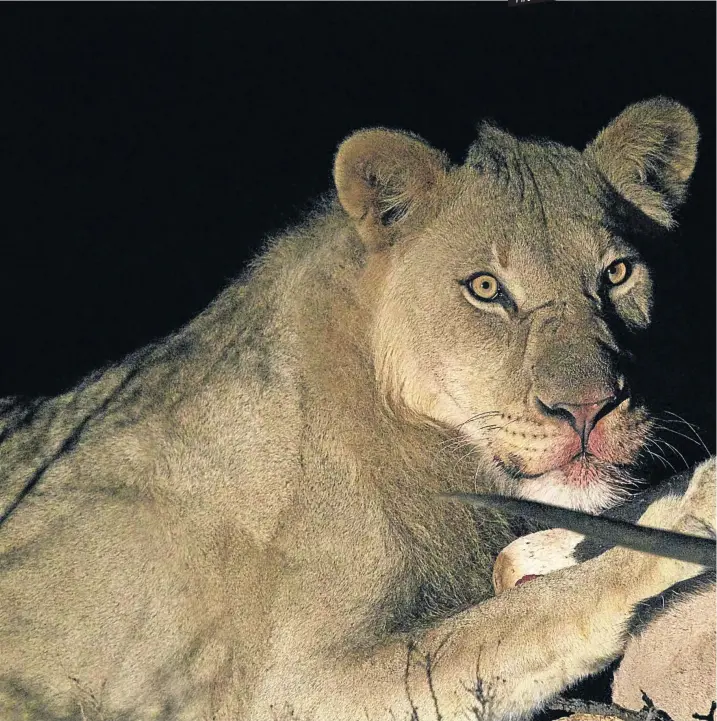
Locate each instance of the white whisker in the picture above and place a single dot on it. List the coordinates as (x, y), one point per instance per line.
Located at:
(663, 442)
(651, 442)
(693, 428)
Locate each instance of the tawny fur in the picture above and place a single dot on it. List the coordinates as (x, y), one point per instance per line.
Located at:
(240, 522)
(672, 660)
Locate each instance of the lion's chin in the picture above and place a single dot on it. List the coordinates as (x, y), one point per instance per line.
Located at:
(578, 485)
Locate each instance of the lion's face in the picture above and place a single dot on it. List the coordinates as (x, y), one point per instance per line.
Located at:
(506, 327)
(508, 297)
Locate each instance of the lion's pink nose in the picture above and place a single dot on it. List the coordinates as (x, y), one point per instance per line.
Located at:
(584, 415)
(581, 416)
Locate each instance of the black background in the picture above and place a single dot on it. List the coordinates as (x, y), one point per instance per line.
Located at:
(146, 149)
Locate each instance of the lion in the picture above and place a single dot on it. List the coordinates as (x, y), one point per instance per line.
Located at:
(243, 521)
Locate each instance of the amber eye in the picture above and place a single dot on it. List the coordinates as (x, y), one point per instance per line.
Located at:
(618, 272)
(484, 286)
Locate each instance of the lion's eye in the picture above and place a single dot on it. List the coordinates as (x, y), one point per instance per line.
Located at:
(484, 286)
(617, 272)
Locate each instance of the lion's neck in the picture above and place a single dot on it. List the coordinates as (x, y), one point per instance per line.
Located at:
(291, 347)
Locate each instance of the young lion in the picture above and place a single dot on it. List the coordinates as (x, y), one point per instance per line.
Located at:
(243, 521)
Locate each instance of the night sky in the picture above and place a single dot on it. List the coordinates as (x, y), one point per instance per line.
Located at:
(146, 149)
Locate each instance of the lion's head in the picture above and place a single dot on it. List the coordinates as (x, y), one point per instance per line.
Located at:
(511, 285)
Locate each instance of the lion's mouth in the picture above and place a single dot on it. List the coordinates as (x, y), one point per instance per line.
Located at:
(582, 468)
(584, 483)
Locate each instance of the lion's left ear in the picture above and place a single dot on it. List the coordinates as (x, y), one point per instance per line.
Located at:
(387, 181)
(648, 154)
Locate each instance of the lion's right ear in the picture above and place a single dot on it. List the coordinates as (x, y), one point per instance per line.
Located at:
(387, 181)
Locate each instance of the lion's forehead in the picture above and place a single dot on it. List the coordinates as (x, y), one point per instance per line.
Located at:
(527, 206)
(525, 245)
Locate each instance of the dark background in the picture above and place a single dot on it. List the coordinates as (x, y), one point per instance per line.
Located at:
(146, 149)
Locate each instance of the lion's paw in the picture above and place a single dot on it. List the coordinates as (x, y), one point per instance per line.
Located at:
(698, 504)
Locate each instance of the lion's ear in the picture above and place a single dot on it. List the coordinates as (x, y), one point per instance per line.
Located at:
(387, 181)
(648, 154)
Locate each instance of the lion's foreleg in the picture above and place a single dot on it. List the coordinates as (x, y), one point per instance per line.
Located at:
(502, 658)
